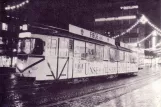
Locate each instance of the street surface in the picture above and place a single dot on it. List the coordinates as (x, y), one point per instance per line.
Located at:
(147, 96)
(103, 93)
(135, 93)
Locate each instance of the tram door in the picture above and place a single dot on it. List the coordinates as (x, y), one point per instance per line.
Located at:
(57, 56)
(51, 56)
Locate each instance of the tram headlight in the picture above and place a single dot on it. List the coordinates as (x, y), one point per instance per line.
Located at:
(20, 66)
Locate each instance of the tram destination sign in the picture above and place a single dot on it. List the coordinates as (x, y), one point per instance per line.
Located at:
(90, 34)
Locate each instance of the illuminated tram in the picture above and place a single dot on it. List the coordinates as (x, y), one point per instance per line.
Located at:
(54, 54)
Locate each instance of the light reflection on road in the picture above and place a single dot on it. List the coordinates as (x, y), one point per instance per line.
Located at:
(147, 96)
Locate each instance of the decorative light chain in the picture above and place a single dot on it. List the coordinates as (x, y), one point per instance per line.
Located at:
(158, 44)
(128, 30)
(145, 38)
(152, 25)
(142, 20)
(142, 39)
(17, 6)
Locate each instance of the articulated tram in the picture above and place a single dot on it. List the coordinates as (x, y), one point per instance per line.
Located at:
(77, 53)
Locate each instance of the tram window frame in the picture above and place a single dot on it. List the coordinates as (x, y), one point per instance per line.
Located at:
(133, 59)
(121, 59)
(130, 58)
(34, 47)
(112, 59)
(127, 57)
(106, 55)
(99, 57)
(63, 49)
(117, 55)
(90, 57)
(39, 48)
(51, 46)
(82, 55)
(20, 43)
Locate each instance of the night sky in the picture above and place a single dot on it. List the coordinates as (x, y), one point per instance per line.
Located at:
(60, 13)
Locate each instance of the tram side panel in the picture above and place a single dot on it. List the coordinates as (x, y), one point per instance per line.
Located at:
(134, 62)
(94, 60)
(121, 62)
(106, 59)
(135, 66)
(79, 62)
(88, 60)
(113, 62)
(66, 58)
(128, 63)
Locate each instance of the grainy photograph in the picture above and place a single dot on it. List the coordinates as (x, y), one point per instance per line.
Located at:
(80, 53)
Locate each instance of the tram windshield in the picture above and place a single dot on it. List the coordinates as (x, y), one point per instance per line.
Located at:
(33, 46)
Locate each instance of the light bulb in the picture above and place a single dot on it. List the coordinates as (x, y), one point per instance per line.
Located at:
(18, 6)
(27, 1)
(23, 3)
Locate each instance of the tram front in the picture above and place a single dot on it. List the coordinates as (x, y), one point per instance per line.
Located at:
(28, 49)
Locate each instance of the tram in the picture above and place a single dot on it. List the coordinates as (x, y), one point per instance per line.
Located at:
(55, 54)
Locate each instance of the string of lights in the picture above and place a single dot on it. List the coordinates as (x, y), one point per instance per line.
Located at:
(154, 48)
(145, 38)
(17, 6)
(157, 45)
(155, 27)
(128, 30)
(142, 20)
(142, 39)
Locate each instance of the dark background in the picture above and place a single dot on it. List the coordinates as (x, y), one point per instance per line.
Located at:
(81, 13)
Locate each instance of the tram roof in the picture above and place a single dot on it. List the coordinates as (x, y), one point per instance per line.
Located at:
(62, 33)
(54, 31)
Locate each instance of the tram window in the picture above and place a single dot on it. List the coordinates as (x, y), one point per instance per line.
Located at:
(63, 47)
(39, 47)
(51, 46)
(79, 49)
(117, 55)
(99, 53)
(121, 56)
(128, 57)
(112, 55)
(106, 53)
(30, 46)
(133, 58)
(90, 51)
(125, 56)
(26, 46)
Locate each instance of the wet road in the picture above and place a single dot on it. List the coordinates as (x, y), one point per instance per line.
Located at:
(88, 94)
(148, 96)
